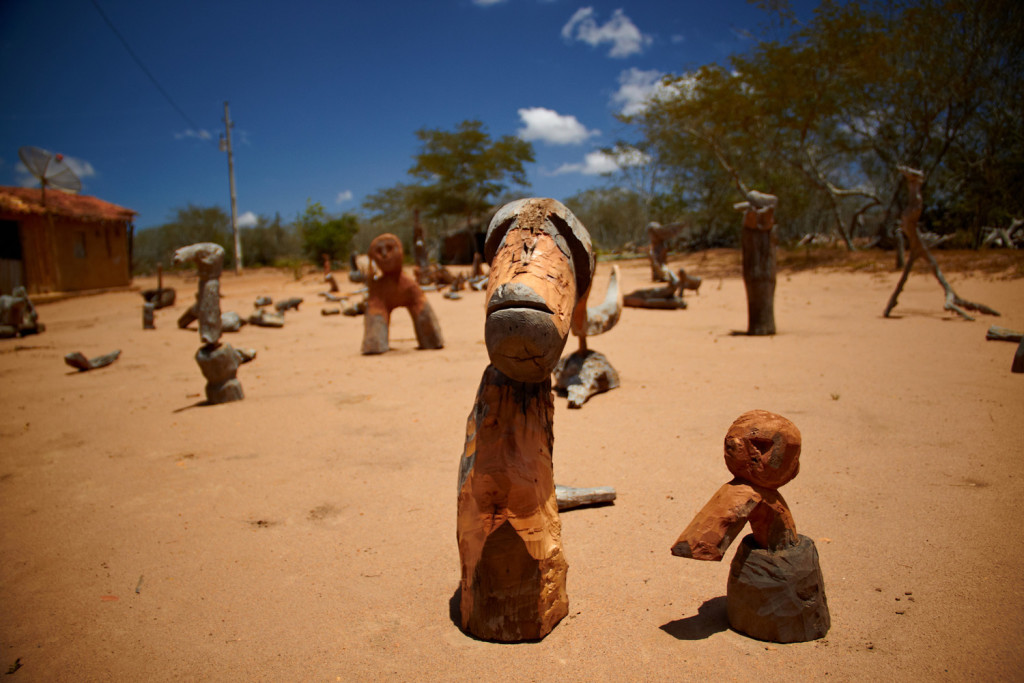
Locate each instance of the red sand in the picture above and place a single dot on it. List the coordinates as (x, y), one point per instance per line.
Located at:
(308, 532)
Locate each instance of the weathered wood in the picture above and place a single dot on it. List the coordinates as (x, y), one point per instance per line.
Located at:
(148, 322)
(584, 374)
(209, 260)
(264, 318)
(668, 297)
(508, 529)
(393, 289)
(996, 333)
(605, 315)
(775, 589)
(660, 235)
(219, 364)
(908, 224)
(570, 497)
(83, 364)
(759, 243)
(777, 595)
(288, 304)
(1018, 358)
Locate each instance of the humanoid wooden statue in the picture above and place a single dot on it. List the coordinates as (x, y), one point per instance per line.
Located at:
(775, 590)
(392, 289)
(508, 530)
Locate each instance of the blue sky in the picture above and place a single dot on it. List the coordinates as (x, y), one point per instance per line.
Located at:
(326, 96)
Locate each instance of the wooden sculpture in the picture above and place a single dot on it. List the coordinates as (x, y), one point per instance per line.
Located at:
(508, 530)
(758, 241)
(390, 290)
(218, 362)
(660, 235)
(908, 224)
(669, 296)
(585, 372)
(775, 590)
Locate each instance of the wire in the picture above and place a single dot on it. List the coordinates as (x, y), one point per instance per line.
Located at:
(142, 66)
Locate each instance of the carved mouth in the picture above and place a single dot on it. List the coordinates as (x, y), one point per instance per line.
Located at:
(517, 295)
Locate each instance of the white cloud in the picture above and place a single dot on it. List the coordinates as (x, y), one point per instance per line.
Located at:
(247, 220)
(678, 38)
(343, 196)
(201, 134)
(600, 163)
(623, 35)
(80, 167)
(551, 127)
(487, 3)
(637, 88)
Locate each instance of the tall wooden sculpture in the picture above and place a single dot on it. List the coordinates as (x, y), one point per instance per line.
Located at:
(585, 372)
(508, 530)
(218, 362)
(775, 590)
(759, 262)
(908, 224)
(393, 289)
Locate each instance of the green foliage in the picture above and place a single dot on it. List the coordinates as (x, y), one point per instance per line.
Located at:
(191, 224)
(614, 217)
(322, 233)
(822, 117)
(465, 170)
(269, 242)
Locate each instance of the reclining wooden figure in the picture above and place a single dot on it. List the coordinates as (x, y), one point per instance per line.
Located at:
(775, 590)
(508, 530)
(393, 289)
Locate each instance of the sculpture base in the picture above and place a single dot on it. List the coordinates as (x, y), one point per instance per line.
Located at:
(778, 596)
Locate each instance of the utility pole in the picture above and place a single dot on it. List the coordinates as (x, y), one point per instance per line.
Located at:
(226, 147)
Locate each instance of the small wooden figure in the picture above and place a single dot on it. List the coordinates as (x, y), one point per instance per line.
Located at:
(393, 289)
(775, 590)
(508, 529)
(660, 235)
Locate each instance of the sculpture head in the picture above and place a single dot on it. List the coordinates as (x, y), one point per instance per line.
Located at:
(763, 448)
(541, 265)
(208, 257)
(386, 252)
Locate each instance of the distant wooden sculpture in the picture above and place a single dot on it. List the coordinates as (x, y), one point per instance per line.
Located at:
(908, 224)
(775, 590)
(508, 529)
(393, 289)
(78, 360)
(669, 296)
(585, 372)
(218, 362)
(660, 235)
(328, 275)
(161, 297)
(759, 241)
(18, 317)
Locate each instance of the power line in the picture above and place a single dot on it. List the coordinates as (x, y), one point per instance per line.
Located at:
(142, 66)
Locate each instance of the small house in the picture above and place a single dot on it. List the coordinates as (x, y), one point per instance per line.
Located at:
(61, 242)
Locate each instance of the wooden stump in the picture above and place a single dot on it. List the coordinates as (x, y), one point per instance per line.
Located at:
(759, 270)
(777, 595)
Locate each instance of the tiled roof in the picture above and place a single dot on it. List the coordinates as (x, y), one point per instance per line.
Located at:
(28, 200)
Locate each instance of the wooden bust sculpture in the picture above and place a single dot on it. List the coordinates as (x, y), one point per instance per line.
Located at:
(775, 590)
(392, 289)
(508, 530)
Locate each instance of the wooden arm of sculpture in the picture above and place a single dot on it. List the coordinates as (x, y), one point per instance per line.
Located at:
(723, 517)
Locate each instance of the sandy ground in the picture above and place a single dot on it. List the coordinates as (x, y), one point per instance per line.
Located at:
(308, 532)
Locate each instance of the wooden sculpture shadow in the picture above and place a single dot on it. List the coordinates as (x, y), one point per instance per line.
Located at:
(710, 619)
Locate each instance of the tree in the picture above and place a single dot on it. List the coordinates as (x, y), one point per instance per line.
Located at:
(823, 117)
(464, 170)
(269, 241)
(190, 224)
(322, 233)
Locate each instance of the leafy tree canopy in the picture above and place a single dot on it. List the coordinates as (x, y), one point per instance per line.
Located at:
(322, 233)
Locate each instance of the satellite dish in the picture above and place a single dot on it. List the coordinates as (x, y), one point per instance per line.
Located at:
(50, 170)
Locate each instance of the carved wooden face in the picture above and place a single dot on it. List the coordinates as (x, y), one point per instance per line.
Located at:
(763, 448)
(386, 252)
(532, 289)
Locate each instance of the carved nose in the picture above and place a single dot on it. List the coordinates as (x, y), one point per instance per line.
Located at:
(516, 295)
